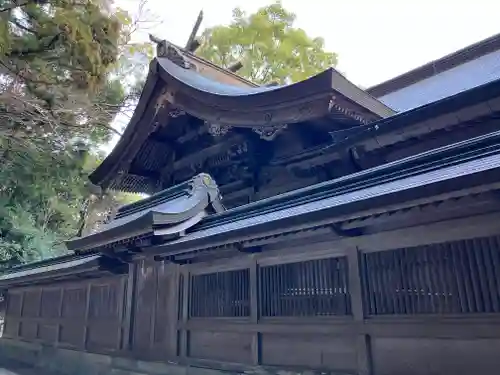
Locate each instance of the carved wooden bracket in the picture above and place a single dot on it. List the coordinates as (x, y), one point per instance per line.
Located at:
(176, 112)
(217, 130)
(269, 133)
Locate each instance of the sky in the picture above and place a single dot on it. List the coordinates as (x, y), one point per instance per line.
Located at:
(375, 39)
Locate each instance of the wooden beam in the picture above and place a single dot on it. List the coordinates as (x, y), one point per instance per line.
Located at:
(362, 341)
(208, 152)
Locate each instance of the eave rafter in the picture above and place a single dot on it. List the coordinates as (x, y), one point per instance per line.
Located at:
(174, 89)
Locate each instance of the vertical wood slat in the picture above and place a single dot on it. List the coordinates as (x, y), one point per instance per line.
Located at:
(480, 272)
(431, 293)
(86, 316)
(21, 314)
(494, 250)
(184, 339)
(275, 300)
(254, 311)
(130, 298)
(309, 288)
(493, 280)
(220, 294)
(174, 309)
(454, 278)
(180, 309)
(59, 315)
(340, 284)
(465, 279)
(364, 363)
(469, 259)
(121, 295)
(440, 276)
(459, 280)
(154, 306)
(378, 286)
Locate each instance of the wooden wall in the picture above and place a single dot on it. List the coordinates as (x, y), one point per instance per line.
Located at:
(84, 315)
(154, 310)
(416, 309)
(406, 310)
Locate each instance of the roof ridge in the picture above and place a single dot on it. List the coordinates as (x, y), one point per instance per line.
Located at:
(442, 64)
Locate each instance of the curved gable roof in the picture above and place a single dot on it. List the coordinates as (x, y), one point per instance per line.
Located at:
(171, 85)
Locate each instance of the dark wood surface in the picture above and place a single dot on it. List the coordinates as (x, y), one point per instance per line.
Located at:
(423, 298)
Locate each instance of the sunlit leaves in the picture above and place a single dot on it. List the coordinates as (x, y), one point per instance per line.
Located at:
(62, 69)
(268, 45)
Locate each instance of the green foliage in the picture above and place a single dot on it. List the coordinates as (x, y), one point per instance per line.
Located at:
(58, 60)
(40, 199)
(268, 45)
(62, 69)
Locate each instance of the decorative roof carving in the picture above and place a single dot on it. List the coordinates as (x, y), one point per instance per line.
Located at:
(217, 130)
(269, 133)
(176, 112)
(168, 213)
(171, 52)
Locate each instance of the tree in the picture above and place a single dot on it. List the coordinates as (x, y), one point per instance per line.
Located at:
(62, 69)
(56, 59)
(268, 46)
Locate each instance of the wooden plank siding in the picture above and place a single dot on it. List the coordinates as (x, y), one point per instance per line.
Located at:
(84, 315)
(414, 309)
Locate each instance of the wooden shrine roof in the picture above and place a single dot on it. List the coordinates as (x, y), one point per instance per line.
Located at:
(468, 53)
(167, 214)
(174, 88)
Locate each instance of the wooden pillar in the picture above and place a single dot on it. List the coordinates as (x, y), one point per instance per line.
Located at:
(21, 315)
(128, 319)
(364, 362)
(184, 315)
(86, 316)
(59, 317)
(254, 311)
(154, 304)
(174, 310)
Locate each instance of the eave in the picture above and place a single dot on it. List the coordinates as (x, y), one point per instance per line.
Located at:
(167, 214)
(170, 87)
(265, 106)
(478, 102)
(458, 170)
(60, 268)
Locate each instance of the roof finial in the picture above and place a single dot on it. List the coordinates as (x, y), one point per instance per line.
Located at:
(169, 51)
(235, 66)
(192, 44)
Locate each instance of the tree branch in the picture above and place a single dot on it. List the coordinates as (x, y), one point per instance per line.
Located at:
(30, 51)
(14, 6)
(22, 27)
